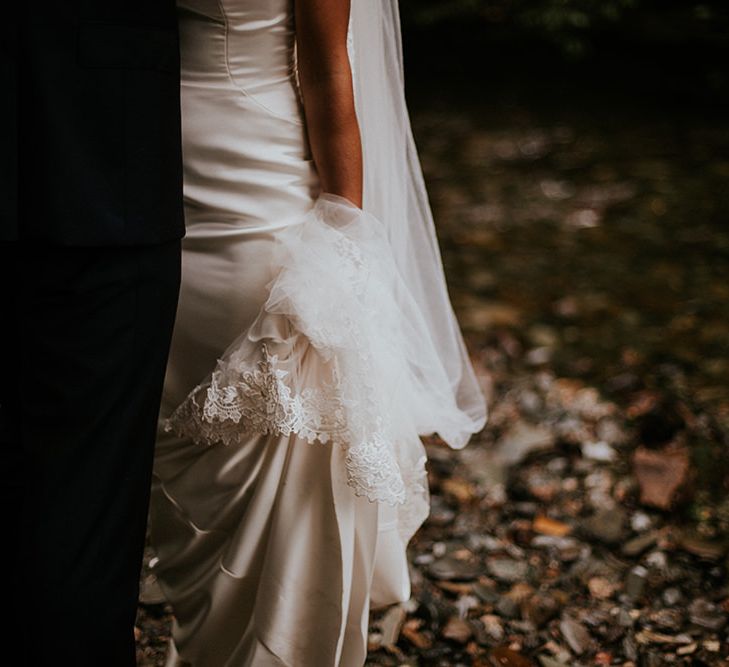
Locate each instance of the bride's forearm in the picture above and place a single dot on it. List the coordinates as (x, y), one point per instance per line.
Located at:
(326, 86)
(334, 138)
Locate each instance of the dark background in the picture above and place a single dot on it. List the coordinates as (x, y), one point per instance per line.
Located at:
(673, 49)
(577, 155)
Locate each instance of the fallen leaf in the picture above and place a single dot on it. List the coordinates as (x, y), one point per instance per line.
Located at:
(457, 629)
(547, 526)
(660, 474)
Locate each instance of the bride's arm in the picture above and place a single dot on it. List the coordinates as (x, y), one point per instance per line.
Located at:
(326, 85)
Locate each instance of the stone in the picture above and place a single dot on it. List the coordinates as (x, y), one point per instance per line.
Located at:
(540, 608)
(640, 521)
(531, 402)
(635, 582)
(423, 559)
(546, 661)
(547, 526)
(554, 542)
(453, 569)
(638, 544)
(460, 490)
(525, 507)
(457, 629)
(668, 619)
(507, 569)
(465, 603)
(477, 542)
(485, 593)
(538, 356)
(150, 592)
(624, 619)
(483, 468)
(440, 549)
(440, 513)
(708, 549)
(482, 315)
(661, 474)
(374, 641)
(602, 587)
(687, 649)
(672, 596)
(607, 525)
(575, 634)
(411, 632)
(390, 625)
(493, 627)
(713, 645)
(706, 614)
(650, 637)
(543, 485)
(508, 607)
(512, 603)
(598, 451)
(521, 439)
(657, 560)
(505, 657)
(609, 431)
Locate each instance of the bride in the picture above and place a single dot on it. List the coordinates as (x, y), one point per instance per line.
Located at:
(314, 341)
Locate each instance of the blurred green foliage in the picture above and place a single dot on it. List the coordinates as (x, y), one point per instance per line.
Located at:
(572, 24)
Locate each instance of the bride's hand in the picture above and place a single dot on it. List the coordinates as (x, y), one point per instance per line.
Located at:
(326, 86)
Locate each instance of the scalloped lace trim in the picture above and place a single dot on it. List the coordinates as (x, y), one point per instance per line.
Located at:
(260, 401)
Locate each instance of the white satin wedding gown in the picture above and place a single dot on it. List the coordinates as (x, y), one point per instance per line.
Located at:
(288, 481)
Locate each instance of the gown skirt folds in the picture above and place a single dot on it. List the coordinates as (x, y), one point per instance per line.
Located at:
(289, 474)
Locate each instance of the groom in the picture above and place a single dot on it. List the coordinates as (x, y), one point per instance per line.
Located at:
(90, 228)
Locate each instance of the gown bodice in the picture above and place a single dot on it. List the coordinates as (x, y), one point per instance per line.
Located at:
(247, 158)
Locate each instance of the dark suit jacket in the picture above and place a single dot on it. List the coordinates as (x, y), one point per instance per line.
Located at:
(90, 129)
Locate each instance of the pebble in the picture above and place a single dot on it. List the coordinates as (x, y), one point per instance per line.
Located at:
(607, 525)
(668, 619)
(640, 521)
(548, 526)
(390, 625)
(493, 627)
(575, 634)
(505, 657)
(546, 661)
(601, 587)
(452, 569)
(635, 582)
(706, 614)
(521, 439)
(541, 608)
(672, 596)
(598, 451)
(507, 569)
(637, 545)
(457, 630)
(657, 560)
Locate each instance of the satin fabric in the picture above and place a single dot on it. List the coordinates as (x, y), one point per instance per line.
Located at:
(265, 554)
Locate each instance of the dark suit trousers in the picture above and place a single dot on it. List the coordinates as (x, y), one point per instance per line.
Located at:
(81, 382)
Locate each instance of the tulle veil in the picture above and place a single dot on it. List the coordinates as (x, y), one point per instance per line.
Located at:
(395, 193)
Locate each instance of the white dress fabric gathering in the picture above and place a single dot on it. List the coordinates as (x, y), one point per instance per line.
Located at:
(289, 473)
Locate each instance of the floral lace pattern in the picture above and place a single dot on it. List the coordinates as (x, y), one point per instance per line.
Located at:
(262, 402)
(324, 360)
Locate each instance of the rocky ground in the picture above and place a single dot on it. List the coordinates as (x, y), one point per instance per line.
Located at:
(551, 542)
(554, 541)
(587, 252)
